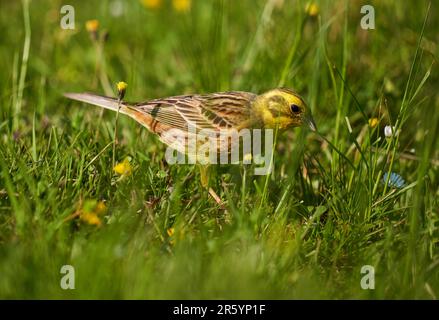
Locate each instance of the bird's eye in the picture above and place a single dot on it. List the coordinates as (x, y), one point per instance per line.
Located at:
(295, 108)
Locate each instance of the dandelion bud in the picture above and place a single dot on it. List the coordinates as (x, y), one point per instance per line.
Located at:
(373, 122)
(181, 5)
(92, 27)
(121, 89)
(151, 4)
(312, 9)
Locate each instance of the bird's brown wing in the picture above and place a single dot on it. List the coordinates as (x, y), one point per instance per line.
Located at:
(228, 109)
(178, 120)
(224, 110)
(163, 112)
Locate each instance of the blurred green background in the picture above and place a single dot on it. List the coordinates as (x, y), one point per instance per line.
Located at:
(154, 233)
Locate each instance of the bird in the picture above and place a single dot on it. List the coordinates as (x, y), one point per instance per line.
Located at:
(237, 110)
(279, 108)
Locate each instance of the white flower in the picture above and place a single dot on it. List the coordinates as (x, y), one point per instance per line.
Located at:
(388, 131)
(116, 8)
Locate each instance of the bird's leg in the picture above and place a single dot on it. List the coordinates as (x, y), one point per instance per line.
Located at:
(204, 177)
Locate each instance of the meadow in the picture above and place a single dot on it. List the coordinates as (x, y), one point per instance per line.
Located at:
(355, 194)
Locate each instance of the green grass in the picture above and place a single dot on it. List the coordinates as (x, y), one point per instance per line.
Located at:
(303, 232)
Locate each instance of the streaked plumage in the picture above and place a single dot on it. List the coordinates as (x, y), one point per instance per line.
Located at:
(213, 112)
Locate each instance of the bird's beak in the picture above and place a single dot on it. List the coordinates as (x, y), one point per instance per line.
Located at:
(310, 122)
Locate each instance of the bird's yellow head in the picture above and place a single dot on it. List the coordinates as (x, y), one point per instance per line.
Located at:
(283, 108)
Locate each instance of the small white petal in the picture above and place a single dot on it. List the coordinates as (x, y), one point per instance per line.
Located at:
(388, 131)
(116, 8)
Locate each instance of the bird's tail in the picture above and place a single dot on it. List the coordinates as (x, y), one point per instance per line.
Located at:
(101, 101)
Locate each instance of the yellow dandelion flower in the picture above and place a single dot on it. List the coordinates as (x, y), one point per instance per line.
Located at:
(123, 168)
(121, 86)
(101, 208)
(121, 89)
(91, 218)
(91, 209)
(151, 4)
(170, 232)
(373, 122)
(181, 5)
(312, 9)
(92, 25)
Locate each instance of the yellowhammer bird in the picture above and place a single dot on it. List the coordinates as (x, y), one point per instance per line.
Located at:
(215, 112)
